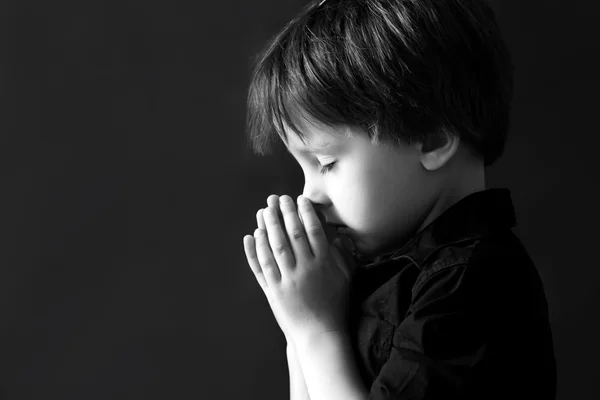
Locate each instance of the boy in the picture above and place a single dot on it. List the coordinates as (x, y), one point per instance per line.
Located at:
(393, 109)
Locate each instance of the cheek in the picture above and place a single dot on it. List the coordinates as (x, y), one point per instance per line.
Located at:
(376, 199)
(356, 200)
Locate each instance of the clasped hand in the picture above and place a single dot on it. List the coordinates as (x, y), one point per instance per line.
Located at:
(306, 279)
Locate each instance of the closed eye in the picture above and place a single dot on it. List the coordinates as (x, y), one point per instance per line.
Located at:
(326, 168)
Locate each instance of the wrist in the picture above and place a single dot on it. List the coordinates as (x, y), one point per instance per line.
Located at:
(290, 351)
(298, 389)
(330, 366)
(289, 342)
(316, 340)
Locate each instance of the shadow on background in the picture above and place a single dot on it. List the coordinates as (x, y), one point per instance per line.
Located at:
(127, 189)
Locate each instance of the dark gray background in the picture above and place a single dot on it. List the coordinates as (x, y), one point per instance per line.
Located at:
(126, 190)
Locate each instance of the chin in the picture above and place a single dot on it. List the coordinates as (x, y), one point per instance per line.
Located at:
(361, 249)
(371, 250)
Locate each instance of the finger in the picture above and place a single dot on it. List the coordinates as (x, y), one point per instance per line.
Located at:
(275, 202)
(313, 227)
(295, 229)
(277, 238)
(272, 201)
(267, 262)
(260, 222)
(250, 250)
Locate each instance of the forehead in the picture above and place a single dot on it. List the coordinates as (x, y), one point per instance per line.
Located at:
(317, 137)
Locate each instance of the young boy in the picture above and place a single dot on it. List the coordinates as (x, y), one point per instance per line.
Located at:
(393, 109)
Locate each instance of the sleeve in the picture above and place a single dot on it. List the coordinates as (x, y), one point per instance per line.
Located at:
(442, 337)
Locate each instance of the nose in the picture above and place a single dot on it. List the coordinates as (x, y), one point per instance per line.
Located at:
(321, 204)
(313, 191)
(316, 196)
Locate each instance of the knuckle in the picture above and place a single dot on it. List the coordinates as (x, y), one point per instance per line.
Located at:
(264, 247)
(257, 271)
(268, 264)
(297, 234)
(314, 230)
(280, 248)
(286, 199)
(289, 215)
(252, 256)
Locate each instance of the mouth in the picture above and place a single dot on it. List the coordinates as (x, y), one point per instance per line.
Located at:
(342, 232)
(346, 240)
(332, 231)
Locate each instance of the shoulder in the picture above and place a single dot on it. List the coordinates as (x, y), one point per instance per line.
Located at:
(491, 262)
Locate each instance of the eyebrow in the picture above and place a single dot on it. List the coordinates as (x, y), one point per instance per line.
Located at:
(320, 147)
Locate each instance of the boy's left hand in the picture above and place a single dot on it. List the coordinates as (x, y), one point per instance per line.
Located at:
(309, 283)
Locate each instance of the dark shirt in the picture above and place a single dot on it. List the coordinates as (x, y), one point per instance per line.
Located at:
(459, 312)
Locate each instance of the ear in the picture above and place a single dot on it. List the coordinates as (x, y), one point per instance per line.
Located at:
(438, 150)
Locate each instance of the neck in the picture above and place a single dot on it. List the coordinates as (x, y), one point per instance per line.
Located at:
(464, 175)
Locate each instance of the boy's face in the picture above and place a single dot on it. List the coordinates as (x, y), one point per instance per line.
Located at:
(382, 194)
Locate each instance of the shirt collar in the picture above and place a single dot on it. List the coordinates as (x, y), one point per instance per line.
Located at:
(471, 217)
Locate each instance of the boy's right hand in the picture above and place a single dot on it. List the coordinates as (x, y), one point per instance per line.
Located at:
(332, 237)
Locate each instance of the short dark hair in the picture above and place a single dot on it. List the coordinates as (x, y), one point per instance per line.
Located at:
(405, 71)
